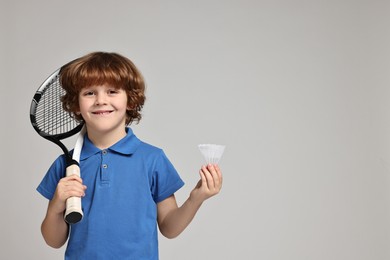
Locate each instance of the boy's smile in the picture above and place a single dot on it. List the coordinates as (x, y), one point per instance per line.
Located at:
(102, 112)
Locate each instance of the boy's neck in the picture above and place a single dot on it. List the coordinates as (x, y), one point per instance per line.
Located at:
(104, 140)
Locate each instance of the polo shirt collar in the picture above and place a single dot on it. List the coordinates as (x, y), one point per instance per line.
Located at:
(126, 145)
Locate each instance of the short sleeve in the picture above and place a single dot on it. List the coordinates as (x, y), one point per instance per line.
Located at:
(166, 180)
(48, 185)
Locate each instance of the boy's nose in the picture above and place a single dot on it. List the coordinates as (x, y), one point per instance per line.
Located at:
(101, 99)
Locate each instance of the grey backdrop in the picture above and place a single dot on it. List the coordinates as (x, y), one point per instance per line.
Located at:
(297, 90)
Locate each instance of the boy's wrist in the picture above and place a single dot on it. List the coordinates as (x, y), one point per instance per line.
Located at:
(55, 211)
(195, 200)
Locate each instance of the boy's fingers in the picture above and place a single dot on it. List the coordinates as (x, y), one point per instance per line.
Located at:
(202, 177)
(74, 177)
(209, 177)
(216, 174)
(71, 186)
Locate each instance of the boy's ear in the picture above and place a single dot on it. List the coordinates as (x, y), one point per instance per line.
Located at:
(77, 110)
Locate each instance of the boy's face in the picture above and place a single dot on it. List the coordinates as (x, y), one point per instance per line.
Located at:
(103, 108)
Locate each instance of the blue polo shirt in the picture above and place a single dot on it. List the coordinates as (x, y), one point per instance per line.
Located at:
(125, 182)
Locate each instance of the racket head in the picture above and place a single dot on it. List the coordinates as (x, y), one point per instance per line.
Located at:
(47, 115)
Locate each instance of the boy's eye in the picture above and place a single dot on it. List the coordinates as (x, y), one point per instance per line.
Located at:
(113, 91)
(88, 93)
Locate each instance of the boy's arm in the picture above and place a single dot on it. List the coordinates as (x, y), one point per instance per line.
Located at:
(54, 229)
(172, 220)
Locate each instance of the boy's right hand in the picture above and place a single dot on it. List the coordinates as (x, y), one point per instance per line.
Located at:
(71, 186)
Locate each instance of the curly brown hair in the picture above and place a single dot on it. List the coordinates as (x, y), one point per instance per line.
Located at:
(99, 68)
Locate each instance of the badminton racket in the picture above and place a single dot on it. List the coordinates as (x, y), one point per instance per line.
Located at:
(53, 123)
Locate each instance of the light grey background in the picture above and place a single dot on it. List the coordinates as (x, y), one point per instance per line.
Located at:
(297, 90)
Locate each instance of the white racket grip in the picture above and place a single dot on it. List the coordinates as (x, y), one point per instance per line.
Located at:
(73, 169)
(73, 212)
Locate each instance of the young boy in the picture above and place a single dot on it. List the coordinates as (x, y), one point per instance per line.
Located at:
(127, 186)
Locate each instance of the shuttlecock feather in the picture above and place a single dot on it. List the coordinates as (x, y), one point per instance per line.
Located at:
(212, 152)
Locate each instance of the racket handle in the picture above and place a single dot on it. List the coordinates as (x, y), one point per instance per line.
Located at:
(73, 212)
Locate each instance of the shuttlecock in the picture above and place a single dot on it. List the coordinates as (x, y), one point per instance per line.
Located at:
(212, 152)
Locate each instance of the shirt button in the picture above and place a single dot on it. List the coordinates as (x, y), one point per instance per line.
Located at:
(104, 152)
(104, 166)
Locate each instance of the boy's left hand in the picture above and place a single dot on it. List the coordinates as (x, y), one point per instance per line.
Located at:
(210, 183)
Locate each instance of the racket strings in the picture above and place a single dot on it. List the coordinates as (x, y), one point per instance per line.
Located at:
(51, 118)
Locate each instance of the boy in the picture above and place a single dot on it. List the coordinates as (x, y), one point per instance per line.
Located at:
(127, 186)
